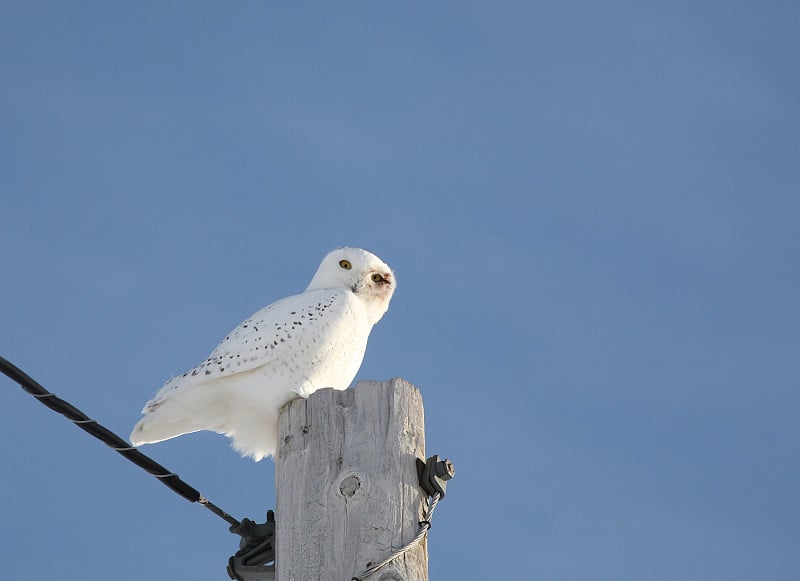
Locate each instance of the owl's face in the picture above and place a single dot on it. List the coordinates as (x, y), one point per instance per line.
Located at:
(359, 271)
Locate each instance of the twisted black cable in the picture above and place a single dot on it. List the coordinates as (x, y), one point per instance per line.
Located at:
(109, 438)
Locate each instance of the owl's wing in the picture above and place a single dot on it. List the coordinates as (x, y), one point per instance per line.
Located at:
(270, 335)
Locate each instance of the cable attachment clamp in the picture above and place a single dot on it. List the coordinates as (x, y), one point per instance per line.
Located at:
(256, 551)
(434, 474)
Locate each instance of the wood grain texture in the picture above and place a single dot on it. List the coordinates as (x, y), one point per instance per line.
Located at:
(346, 483)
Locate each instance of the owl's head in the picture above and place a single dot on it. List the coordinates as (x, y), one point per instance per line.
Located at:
(358, 271)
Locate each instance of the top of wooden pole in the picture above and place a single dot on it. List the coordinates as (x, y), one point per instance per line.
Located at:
(346, 483)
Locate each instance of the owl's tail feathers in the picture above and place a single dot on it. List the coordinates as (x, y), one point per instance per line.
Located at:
(253, 432)
(252, 428)
(157, 427)
(183, 413)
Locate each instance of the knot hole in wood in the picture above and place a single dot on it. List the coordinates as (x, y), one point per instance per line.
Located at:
(349, 486)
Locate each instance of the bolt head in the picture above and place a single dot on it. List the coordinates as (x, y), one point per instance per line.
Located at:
(445, 469)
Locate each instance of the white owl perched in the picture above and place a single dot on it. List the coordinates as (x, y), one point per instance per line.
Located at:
(288, 349)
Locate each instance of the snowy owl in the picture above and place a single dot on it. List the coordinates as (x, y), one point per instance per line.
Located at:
(288, 349)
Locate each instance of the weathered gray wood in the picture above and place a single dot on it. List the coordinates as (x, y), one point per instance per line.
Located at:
(346, 483)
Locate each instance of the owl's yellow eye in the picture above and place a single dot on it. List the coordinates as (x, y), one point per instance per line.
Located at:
(345, 264)
(377, 278)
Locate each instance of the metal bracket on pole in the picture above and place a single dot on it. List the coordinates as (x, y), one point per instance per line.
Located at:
(434, 474)
(256, 549)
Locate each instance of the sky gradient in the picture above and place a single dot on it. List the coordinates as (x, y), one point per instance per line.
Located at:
(591, 208)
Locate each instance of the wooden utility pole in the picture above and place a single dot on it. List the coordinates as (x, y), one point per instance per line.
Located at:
(346, 483)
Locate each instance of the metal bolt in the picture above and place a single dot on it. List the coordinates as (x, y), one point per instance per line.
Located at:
(445, 469)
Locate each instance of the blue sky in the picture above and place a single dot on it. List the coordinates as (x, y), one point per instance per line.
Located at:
(592, 210)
